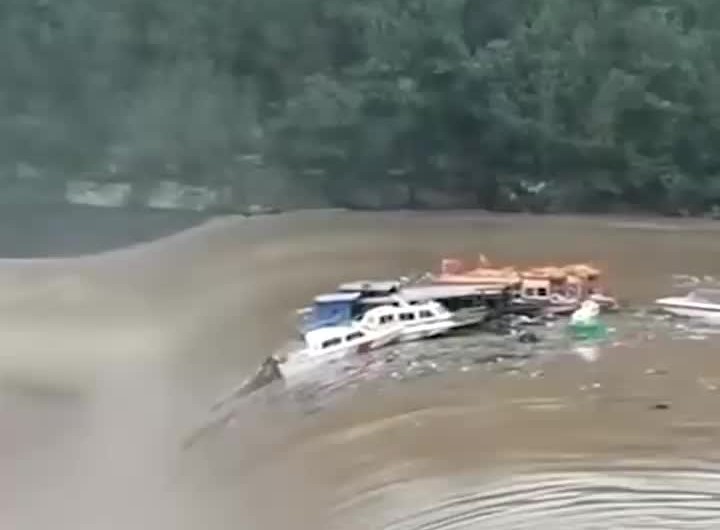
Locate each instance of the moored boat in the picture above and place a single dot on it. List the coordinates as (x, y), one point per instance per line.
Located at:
(560, 289)
(464, 300)
(455, 272)
(701, 303)
(332, 343)
(331, 309)
(470, 304)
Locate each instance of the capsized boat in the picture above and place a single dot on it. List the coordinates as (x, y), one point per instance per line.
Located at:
(418, 321)
(332, 343)
(701, 303)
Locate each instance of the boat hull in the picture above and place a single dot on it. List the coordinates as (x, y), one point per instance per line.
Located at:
(426, 331)
(690, 311)
(301, 363)
(562, 309)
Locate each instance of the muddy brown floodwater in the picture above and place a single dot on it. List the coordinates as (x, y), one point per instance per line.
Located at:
(110, 360)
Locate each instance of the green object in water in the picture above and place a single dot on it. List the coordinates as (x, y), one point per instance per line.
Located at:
(589, 329)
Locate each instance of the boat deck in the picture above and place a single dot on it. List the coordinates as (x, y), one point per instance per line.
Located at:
(423, 293)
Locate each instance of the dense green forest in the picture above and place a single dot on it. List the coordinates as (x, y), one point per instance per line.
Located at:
(503, 104)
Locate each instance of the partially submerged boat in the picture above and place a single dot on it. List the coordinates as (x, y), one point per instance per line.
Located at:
(333, 343)
(418, 321)
(701, 303)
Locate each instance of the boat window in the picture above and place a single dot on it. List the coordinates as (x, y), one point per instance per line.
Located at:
(529, 292)
(331, 342)
(407, 316)
(354, 336)
(542, 291)
(426, 314)
(386, 318)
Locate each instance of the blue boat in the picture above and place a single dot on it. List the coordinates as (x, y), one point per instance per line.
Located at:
(332, 309)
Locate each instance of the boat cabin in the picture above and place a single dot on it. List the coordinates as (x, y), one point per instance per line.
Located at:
(538, 288)
(348, 304)
(371, 287)
(333, 309)
(582, 287)
(576, 287)
(589, 279)
(405, 314)
(453, 297)
(330, 338)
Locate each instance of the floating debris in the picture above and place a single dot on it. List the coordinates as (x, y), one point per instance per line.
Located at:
(504, 352)
(267, 373)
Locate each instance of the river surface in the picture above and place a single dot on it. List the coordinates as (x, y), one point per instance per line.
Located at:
(113, 357)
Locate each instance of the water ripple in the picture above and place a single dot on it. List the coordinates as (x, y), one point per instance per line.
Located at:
(674, 499)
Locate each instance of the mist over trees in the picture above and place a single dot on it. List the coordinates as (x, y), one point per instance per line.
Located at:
(540, 104)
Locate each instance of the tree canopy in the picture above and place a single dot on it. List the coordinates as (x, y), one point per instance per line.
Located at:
(545, 104)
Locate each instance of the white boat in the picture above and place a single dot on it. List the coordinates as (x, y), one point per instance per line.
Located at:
(699, 303)
(418, 321)
(332, 343)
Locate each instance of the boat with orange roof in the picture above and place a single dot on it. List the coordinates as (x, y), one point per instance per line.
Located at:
(550, 286)
(560, 288)
(454, 272)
